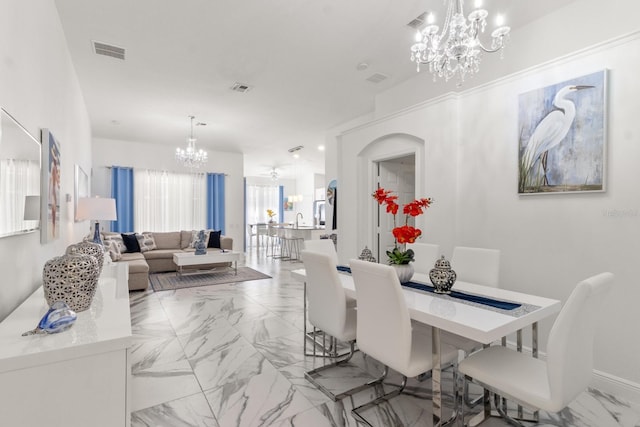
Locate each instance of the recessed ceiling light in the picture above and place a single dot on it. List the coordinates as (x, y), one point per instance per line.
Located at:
(320, 147)
(362, 66)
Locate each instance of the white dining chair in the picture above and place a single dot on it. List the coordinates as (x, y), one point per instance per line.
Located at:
(385, 331)
(425, 256)
(329, 312)
(324, 246)
(554, 384)
(327, 247)
(482, 267)
(476, 265)
(273, 239)
(262, 231)
(251, 233)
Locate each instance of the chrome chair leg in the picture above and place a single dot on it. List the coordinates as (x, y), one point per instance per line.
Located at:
(500, 405)
(312, 376)
(357, 412)
(312, 335)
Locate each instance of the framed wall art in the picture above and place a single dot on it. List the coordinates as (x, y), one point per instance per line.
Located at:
(50, 191)
(562, 141)
(287, 204)
(80, 189)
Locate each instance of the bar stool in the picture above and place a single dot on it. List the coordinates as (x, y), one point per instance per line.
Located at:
(292, 247)
(289, 246)
(273, 239)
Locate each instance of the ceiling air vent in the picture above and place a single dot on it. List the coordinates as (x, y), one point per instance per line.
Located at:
(297, 148)
(418, 21)
(108, 50)
(241, 87)
(377, 77)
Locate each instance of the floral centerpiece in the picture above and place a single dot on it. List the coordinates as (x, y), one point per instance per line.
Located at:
(405, 233)
(270, 214)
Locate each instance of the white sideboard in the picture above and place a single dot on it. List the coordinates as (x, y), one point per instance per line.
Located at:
(79, 377)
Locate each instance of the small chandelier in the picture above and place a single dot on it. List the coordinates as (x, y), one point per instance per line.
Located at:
(457, 50)
(191, 157)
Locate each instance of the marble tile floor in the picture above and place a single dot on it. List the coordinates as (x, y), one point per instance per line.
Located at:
(232, 356)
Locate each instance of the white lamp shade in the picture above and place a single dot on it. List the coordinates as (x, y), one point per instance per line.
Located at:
(32, 208)
(97, 208)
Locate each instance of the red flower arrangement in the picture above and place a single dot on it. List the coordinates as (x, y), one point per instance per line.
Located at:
(405, 233)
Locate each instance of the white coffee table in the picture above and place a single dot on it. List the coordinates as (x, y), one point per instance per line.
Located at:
(212, 256)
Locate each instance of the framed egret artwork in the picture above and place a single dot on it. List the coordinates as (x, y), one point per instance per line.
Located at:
(562, 141)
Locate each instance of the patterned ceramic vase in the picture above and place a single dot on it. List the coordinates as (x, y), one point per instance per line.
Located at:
(88, 248)
(367, 255)
(442, 276)
(200, 245)
(404, 272)
(72, 279)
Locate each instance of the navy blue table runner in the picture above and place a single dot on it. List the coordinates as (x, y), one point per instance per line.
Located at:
(503, 305)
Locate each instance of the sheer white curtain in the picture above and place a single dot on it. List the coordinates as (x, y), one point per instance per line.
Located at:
(169, 201)
(18, 179)
(259, 199)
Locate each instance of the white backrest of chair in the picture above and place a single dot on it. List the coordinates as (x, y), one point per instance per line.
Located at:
(476, 265)
(327, 302)
(425, 257)
(570, 345)
(262, 229)
(383, 325)
(324, 246)
(272, 230)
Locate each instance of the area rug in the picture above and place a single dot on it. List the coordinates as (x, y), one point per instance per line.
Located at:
(171, 281)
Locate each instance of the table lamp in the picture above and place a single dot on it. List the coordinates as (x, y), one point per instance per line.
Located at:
(97, 208)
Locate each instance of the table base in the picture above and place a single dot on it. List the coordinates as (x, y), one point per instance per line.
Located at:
(181, 272)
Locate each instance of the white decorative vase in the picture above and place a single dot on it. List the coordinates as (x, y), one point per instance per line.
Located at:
(404, 272)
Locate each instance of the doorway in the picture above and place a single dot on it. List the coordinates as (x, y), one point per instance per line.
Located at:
(398, 175)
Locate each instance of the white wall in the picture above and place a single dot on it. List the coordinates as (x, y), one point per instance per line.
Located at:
(39, 87)
(579, 25)
(108, 152)
(548, 243)
(429, 131)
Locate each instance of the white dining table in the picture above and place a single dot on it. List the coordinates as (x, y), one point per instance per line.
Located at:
(473, 321)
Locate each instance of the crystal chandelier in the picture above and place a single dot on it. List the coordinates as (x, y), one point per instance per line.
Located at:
(457, 50)
(191, 157)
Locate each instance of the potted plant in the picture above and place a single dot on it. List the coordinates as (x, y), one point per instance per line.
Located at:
(270, 214)
(400, 257)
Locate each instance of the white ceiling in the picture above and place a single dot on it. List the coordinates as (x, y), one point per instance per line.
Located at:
(300, 56)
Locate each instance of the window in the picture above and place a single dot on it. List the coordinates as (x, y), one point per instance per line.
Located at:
(169, 201)
(18, 179)
(259, 199)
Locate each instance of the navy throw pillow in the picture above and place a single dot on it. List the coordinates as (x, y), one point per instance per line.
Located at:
(131, 242)
(214, 239)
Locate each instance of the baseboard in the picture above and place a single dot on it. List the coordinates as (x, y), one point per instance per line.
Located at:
(603, 381)
(619, 387)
